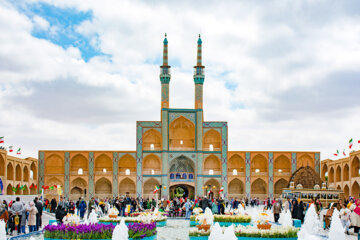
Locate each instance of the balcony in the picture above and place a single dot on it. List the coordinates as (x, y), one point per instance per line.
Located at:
(151, 172)
(259, 174)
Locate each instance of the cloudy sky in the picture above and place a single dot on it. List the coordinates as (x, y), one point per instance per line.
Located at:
(78, 74)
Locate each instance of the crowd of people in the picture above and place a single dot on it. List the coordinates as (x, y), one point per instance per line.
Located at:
(18, 215)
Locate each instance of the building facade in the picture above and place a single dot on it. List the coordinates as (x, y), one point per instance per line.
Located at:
(15, 172)
(182, 154)
(343, 174)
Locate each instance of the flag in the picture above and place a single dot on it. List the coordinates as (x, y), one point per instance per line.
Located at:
(344, 152)
(22, 187)
(35, 186)
(1, 185)
(18, 151)
(2, 139)
(14, 189)
(156, 189)
(11, 149)
(221, 189)
(31, 186)
(208, 191)
(51, 188)
(358, 141)
(350, 143)
(337, 153)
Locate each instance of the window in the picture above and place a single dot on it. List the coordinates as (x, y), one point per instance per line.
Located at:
(181, 142)
(152, 172)
(152, 147)
(191, 176)
(211, 172)
(104, 170)
(178, 176)
(257, 170)
(211, 147)
(31, 174)
(184, 176)
(171, 176)
(127, 172)
(280, 170)
(326, 174)
(234, 172)
(80, 171)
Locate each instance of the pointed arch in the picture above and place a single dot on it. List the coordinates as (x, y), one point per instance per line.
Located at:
(103, 188)
(34, 169)
(259, 187)
(51, 182)
(32, 191)
(346, 191)
(54, 164)
(212, 162)
(282, 164)
(151, 163)
(25, 191)
(2, 166)
(338, 174)
(127, 187)
(280, 185)
(355, 167)
(150, 137)
(214, 185)
(236, 162)
(182, 134)
(304, 161)
(10, 171)
(355, 190)
(103, 162)
(346, 173)
(127, 162)
(236, 188)
(149, 186)
(331, 175)
(79, 182)
(26, 176)
(324, 171)
(212, 137)
(259, 162)
(77, 162)
(18, 174)
(9, 190)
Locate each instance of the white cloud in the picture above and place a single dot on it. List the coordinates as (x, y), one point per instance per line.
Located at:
(286, 62)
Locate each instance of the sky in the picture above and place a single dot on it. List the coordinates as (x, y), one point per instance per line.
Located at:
(77, 75)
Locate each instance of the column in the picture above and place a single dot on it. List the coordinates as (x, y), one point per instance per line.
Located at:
(91, 174)
(139, 179)
(115, 174)
(199, 174)
(41, 168)
(247, 174)
(66, 174)
(271, 174)
(293, 162)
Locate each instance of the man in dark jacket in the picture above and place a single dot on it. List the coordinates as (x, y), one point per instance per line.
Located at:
(39, 206)
(204, 203)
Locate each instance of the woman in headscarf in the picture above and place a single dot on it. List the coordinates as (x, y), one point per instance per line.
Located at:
(32, 216)
(294, 209)
(4, 215)
(355, 216)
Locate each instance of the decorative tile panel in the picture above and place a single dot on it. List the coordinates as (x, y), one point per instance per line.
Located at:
(41, 170)
(271, 175)
(317, 162)
(247, 175)
(115, 174)
(293, 162)
(91, 174)
(139, 158)
(189, 115)
(66, 174)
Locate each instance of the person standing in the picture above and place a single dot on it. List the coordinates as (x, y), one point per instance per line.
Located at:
(17, 209)
(32, 216)
(39, 206)
(188, 209)
(82, 209)
(276, 210)
(287, 205)
(345, 217)
(53, 205)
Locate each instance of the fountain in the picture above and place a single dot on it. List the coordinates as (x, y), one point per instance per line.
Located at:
(286, 219)
(2, 230)
(121, 231)
(216, 232)
(311, 227)
(336, 230)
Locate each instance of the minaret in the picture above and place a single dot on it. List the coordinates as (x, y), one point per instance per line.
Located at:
(165, 77)
(199, 78)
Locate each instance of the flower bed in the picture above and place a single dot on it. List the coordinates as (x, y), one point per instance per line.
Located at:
(241, 232)
(98, 231)
(232, 218)
(137, 219)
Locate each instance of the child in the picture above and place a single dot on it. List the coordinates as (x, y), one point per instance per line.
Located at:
(345, 217)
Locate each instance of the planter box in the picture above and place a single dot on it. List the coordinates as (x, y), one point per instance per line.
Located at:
(193, 223)
(199, 238)
(161, 224)
(226, 224)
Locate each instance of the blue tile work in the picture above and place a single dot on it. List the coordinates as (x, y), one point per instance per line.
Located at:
(271, 174)
(247, 174)
(293, 162)
(67, 174)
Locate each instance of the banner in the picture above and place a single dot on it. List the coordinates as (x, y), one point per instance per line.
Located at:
(1, 186)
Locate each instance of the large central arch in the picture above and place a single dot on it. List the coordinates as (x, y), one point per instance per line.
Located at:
(182, 134)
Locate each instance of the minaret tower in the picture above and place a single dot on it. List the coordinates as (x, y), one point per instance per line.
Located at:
(199, 77)
(165, 77)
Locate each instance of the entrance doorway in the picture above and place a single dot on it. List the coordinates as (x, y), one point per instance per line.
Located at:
(182, 190)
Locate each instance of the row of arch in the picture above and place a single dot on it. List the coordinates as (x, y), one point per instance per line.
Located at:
(181, 136)
(25, 191)
(258, 187)
(340, 173)
(18, 173)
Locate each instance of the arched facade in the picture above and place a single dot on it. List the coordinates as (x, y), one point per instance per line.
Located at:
(214, 185)
(332, 175)
(127, 187)
(127, 162)
(305, 160)
(355, 167)
(259, 164)
(182, 134)
(282, 164)
(346, 173)
(103, 165)
(236, 188)
(236, 162)
(212, 165)
(279, 186)
(149, 187)
(151, 164)
(2, 166)
(77, 162)
(10, 171)
(26, 175)
(259, 188)
(324, 171)
(103, 188)
(152, 140)
(338, 174)
(355, 190)
(9, 190)
(212, 141)
(18, 173)
(54, 165)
